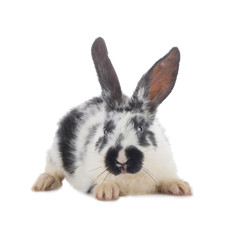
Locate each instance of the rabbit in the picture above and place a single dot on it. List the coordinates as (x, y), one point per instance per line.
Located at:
(113, 145)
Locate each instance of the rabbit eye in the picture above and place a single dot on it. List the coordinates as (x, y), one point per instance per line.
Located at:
(140, 129)
(105, 131)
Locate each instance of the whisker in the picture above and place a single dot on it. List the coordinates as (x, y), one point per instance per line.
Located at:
(154, 148)
(163, 140)
(96, 153)
(152, 174)
(149, 150)
(143, 175)
(153, 177)
(105, 178)
(100, 175)
(149, 177)
(95, 169)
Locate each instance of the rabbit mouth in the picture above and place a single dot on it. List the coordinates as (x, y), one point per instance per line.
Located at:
(119, 161)
(122, 167)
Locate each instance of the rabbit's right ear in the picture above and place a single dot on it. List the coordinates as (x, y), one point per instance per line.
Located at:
(159, 81)
(111, 90)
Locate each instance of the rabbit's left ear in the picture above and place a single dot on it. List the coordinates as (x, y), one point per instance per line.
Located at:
(111, 90)
(159, 81)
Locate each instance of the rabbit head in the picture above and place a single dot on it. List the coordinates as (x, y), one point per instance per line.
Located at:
(129, 124)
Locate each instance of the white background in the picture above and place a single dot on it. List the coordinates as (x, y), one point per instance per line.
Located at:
(46, 69)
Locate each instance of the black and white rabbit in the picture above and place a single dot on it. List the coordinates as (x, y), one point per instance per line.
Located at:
(114, 145)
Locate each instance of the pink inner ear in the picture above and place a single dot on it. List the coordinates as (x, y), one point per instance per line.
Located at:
(163, 76)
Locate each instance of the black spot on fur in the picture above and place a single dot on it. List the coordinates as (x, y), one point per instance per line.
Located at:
(144, 138)
(134, 159)
(152, 138)
(145, 135)
(136, 106)
(90, 136)
(67, 135)
(109, 126)
(94, 101)
(139, 121)
(90, 190)
(98, 142)
(111, 160)
(101, 143)
(92, 132)
(132, 106)
(119, 139)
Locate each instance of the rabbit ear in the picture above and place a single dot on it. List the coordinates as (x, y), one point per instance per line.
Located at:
(159, 81)
(111, 90)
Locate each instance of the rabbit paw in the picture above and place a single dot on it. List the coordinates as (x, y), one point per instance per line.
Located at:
(47, 182)
(107, 191)
(175, 187)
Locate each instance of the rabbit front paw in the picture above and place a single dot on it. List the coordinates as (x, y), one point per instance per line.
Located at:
(175, 187)
(47, 182)
(107, 191)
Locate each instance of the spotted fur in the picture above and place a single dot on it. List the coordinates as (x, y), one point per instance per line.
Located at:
(113, 145)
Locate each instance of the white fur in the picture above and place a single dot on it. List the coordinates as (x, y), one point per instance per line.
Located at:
(158, 161)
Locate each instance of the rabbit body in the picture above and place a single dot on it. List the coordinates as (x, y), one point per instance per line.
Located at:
(114, 145)
(88, 163)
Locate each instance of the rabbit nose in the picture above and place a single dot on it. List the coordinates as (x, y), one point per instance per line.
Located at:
(122, 159)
